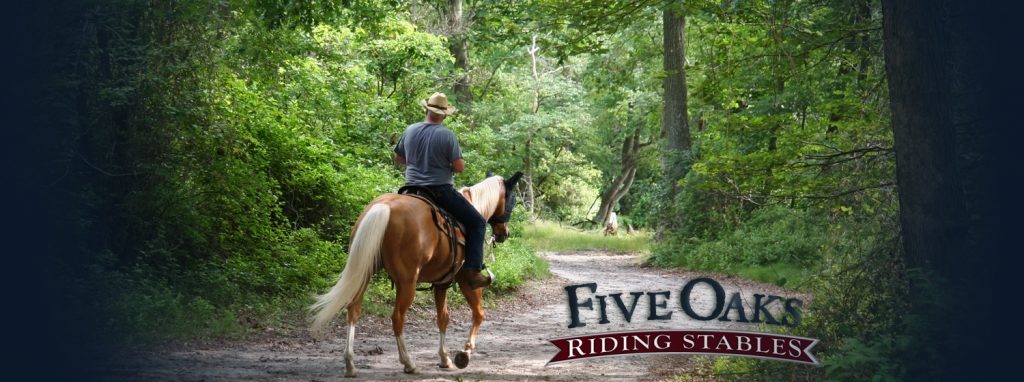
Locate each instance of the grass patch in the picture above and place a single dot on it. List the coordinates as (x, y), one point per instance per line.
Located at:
(549, 236)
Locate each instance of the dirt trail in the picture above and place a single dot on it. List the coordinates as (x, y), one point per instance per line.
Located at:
(512, 344)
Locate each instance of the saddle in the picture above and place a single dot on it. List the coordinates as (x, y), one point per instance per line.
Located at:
(444, 222)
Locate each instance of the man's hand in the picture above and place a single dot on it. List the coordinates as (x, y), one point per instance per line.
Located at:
(459, 165)
(399, 160)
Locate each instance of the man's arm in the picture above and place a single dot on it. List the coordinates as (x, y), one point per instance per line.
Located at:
(400, 151)
(455, 155)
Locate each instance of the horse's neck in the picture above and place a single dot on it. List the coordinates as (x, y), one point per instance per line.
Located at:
(479, 205)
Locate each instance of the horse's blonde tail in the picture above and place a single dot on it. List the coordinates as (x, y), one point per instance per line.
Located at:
(363, 255)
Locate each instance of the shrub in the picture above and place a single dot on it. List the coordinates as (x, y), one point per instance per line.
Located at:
(857, 313)
(514, 264)
(514, 260)
(773, 235)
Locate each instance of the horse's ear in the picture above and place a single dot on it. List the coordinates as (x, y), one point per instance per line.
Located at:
(511, 182)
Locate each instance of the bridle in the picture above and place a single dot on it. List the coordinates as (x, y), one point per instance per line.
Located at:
(510, 203)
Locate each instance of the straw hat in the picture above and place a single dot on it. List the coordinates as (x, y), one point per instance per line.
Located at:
(438, 103)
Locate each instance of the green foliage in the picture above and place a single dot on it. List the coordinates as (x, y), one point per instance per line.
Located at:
(792, 174)
(225, 150)
(772, 235)
(792, 104)
(857, 311)
(515, 263)
(641, 206)
(514, 260)
(623, 85)
(781, 274)
(145, 308)
(864, 361)
(224, 156)
(565, 179)
(581, 26)
(275, 14)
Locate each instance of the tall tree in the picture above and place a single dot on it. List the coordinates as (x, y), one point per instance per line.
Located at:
(531, 198)
(458, 44)
(674, 122)
(942, 120)
(624, 180)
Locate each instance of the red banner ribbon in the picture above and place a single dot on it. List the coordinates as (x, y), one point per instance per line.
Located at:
(723, 342)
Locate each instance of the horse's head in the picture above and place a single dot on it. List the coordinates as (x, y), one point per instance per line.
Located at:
(503, 212)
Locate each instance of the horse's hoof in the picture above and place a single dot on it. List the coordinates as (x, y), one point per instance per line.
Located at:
(410, 369)
(461, 359)
(350, 370)
(446, 364)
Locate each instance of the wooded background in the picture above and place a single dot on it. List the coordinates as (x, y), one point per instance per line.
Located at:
(208, 158)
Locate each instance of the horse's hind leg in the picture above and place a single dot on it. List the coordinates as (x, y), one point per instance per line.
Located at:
(403, 299)
(353, 315)
(441, 303)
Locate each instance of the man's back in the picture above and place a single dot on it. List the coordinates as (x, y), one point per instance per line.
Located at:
(429, 150)
(431, 156)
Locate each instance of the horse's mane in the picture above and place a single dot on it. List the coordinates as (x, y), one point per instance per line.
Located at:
(484, 196)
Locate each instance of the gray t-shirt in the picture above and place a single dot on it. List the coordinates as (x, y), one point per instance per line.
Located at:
(429, 150)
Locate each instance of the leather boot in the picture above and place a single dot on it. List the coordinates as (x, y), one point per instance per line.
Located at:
(476, 279)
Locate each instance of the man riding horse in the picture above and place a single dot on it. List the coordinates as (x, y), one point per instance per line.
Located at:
(403, 235)
(431, 155)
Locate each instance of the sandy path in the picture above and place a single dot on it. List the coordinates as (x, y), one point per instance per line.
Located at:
(512, 344)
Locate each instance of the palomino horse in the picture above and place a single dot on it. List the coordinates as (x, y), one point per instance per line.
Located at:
(397, 233)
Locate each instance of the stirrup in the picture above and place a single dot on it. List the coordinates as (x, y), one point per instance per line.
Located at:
(490, 275)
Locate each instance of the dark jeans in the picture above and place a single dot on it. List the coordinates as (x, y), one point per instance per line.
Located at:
(457, 205)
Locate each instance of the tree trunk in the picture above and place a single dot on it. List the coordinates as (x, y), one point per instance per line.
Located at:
(674, 117)
(932, 210)
(458, 45)
(534, 109)
(863, 44)
(942, 114)
(528, 176)
(615, 193)
(621, 184)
